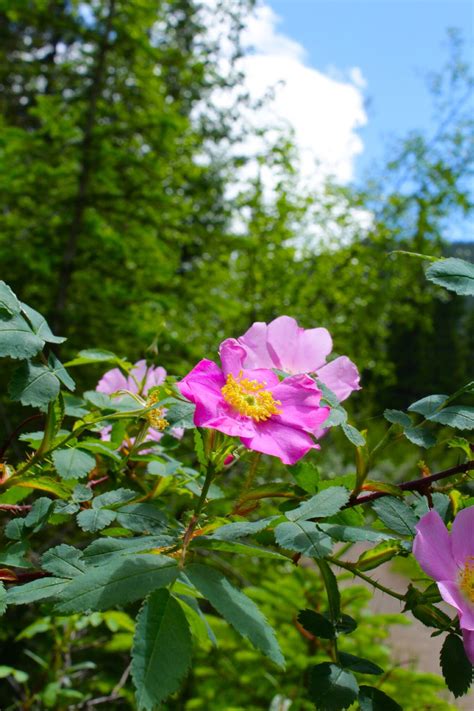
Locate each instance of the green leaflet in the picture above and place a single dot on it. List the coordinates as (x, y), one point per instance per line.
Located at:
(373, 699)
(460, 417)
(303, 537)
(103, 550)
(162, 648)
(40, 326)
(331, 687)
(63, 561)
(93, 520)
(457, 670)
(73, 463)
(326, 503)
(33, 385)
(235, 607)
(317, 624)
(453, 274)
(17, 340)
(36, 590)
(8, 300)
(141, 518)
(239, 529)
(116, 583)
(396, 515)
(358, 664)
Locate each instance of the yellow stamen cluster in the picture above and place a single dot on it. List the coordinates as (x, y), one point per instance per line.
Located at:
(466, 580)
(155, 417)
(250, 398)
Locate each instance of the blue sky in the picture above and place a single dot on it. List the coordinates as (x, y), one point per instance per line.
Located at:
(394, 43)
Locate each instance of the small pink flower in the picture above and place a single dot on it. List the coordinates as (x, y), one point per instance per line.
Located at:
(448, 558)
(283, 345)
(139, 381)
(269, 416)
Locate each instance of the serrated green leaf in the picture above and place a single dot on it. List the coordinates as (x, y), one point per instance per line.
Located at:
(306, 475)
(103, 550)
(121, 581)
(397, 417)
(331, 687)
(396, 515)
(114, 498)
(358, 664)
(98, 447)
(372, 699)
(461, 417)
(332, 590)
(384, 551)
(420, 437)
(427, 406)
(180, 414)
(303, 537)
(453, 274)
(239, 529)
(93, 520)
(60, 372)
(35, 590)
(162, 648)
(353, 534)
(73, 463)
(40, 326)
(317, 624)
(326, 503)
(456, 667)
(33, 385)
(13, 555)
(17, 340)
(93, 355)
(353, 435)
(63, 561)
(8, 300)
(141, 518)
(43, 483)
(337, 416)
(236, 547)
(235, 607)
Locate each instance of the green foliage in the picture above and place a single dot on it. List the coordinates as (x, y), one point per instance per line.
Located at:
(331, 687)
(161, 651)
(457, 670)
(454, 274)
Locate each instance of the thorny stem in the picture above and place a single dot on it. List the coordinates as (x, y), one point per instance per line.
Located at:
(421, 485)
(352, 569)
(197, 510)
(249, 479)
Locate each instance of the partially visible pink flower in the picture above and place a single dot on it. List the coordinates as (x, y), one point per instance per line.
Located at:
(448, 558)
(269, 416)
(283, 345)
(139, 381)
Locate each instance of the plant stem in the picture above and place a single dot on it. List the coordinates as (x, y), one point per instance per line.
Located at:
(188, 534)
(352, 569)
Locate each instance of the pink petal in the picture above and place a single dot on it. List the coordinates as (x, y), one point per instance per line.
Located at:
(462, 536)
(300, 398)
(468, 639)
(255, 343)
(341, 376)
(451, 594)
(154, 377)
(205, 370)
(226, 421)
(106, 433)
(432, 548)
(177, 432)
(262, 375)
(232, 356)
(137, 376)
(278, 440)
(112, 381)
(283, 335)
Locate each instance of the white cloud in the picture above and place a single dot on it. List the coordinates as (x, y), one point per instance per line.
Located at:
(324, 112)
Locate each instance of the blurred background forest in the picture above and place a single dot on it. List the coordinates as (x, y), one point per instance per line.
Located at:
(134, 215)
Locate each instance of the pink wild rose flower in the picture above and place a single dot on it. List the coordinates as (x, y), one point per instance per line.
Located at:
(139, 381)
(269, 416)
(283, 345)
(448, 558)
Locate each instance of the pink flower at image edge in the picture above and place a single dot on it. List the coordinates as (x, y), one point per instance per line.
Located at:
(448, 558)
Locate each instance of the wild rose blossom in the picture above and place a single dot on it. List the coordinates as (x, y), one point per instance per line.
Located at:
(139, 381)
(269, 416)
(448, 558)
(282, 344)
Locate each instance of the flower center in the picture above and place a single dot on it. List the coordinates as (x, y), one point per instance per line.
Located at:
(250, 398)
(466, 579)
